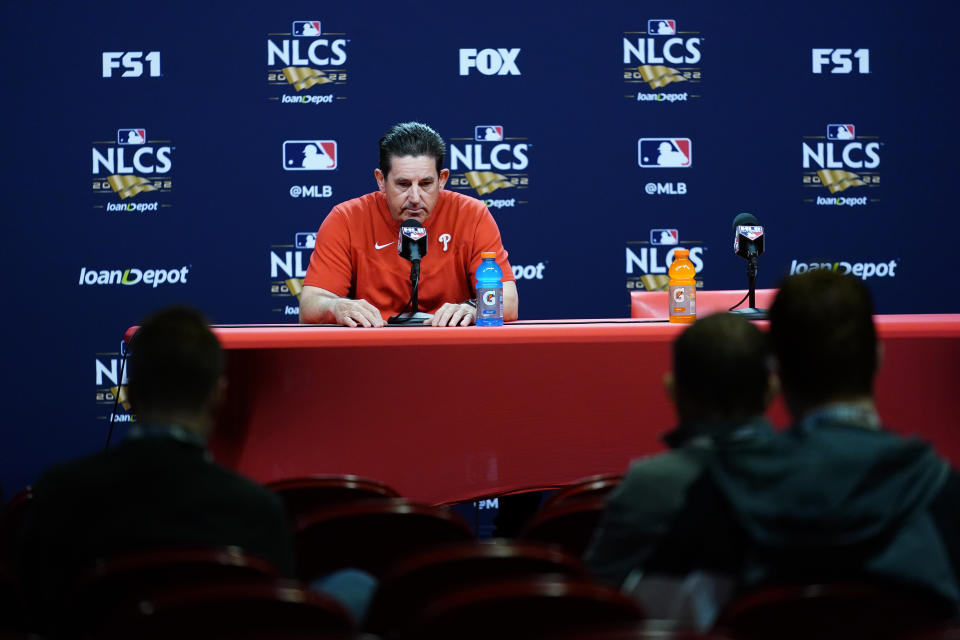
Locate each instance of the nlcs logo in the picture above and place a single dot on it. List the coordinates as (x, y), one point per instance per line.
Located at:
(482, 164)
(832, 160)
(490, 62)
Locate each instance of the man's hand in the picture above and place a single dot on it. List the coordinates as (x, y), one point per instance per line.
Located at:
(453, 315)
(356, 313)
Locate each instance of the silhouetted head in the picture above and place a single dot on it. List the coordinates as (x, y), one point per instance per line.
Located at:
(721, 370)
(175, 368)
(821, 325)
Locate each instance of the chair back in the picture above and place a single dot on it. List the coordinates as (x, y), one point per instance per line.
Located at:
(281, 610)
(301, 496)
(827, 611)
(541, 607)
(592, 487)
(417, 580)
(653, 304)
(570, 524)
(120, 580)
(371, 535)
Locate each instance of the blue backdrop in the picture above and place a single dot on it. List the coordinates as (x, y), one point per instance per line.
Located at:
(153, 153)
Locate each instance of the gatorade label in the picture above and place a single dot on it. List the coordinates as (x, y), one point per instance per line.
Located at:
(489, 304)
(683, 300)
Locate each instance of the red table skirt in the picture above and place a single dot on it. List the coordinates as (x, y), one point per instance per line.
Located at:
(448, 414)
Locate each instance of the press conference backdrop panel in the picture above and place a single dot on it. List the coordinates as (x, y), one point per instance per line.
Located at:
(187, 152)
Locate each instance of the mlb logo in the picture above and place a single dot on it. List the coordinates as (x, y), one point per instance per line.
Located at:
(414, 233)
(664, 237)
(310, 155)
(305, 240)
(656, 153)
(662, 27)
(840, 132)
(306, 28)
(131, 136)
(488, 132)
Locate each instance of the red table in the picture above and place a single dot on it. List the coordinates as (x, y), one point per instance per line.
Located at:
(447, 414)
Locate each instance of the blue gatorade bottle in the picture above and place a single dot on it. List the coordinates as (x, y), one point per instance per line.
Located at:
(489, 291)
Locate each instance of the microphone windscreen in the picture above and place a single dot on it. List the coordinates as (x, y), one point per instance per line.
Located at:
(745, 219)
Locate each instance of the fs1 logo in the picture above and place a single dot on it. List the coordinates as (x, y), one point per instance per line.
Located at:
(666, 56)
(310, 155)
(304, 58)
(131, 62)
(490, 62)
(288, 267)
(131, 164)
(647, 262)
(840, 160)
(840, 61)
(660, 153)
(489, 161)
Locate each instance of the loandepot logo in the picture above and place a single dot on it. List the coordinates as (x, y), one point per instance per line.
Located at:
(862, 270)
(841, 159)
(305, 64)
(133, 276)
(669, 58)
(489, 161)
(288, 268)
(132, 163)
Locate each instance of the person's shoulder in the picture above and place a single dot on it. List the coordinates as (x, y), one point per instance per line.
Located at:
(665, 466)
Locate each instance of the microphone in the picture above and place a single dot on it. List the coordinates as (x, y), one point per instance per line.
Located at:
(748, 244)
(748, 236)
(412, 243)
(412, 246)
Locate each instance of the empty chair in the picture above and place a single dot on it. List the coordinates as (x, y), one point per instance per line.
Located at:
(279, 611)
(841, 610)
(123, 579)
(418, 579)
(302, 495)
(653, 304)
(570, 524)
(591, 487)
(525, 608)
(371, 534)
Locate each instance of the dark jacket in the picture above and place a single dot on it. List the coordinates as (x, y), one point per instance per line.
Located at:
(643, 508)
(148, 491)
(833, 499)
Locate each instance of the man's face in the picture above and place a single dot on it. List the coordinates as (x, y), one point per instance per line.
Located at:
(412, 187)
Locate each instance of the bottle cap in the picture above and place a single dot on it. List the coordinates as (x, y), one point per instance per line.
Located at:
(488, 254)
(681, 253)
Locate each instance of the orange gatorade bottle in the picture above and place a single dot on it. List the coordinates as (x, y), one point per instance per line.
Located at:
(682, 288)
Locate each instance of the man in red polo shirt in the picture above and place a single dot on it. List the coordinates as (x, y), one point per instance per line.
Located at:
(356, 276)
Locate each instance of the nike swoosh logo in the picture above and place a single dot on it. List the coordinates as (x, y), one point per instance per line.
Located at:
(382, 246)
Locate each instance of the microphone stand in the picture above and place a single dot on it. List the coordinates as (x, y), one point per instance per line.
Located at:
(752, 313)
(414, 316)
